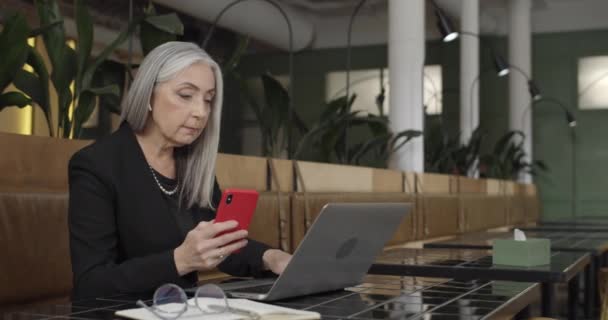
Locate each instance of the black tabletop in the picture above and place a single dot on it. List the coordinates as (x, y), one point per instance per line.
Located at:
(471, 264)
(575, 228)
(592, 242)
(595, 221)
(378, 297)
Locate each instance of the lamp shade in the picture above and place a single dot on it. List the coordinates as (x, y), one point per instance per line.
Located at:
(446, 28)
(501, 65)
(571, 119)
(534, 90)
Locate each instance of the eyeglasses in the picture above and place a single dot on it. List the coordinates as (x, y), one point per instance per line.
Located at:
(170, 302)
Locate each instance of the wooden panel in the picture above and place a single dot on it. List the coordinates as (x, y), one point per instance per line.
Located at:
(235, 171)
(316, 201)
(532, 208)
(32, 164)
(494, 187)
(387, 180)
(284, 172)
(35, 247)
(470, 185)
(266, 225)
(509, 188)
(530, 190)
(323, 177)
(409, 182)
(427, 183)
(439, 215)
(517, 210)
(520, 188)
(483, 212)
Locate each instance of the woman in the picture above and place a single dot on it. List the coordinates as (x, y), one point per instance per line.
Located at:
(142, 200)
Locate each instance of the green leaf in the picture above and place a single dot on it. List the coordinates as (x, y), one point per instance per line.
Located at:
(86, 106)
(54, 40)
(13, 47)
(107, 90)
(151, 37)
(158, 29)
(235, 59)
(35, 60)
(14, 99)
(40, 30)
(503, 142)
(169, 23)
(90, 71)
(62, 78)
(403, 137)
(84, 27)
(277, 100)
(378, 142)
(30, 84)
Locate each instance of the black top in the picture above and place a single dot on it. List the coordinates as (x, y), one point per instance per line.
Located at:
(184, 217)
(123, 230)
(592, 242)
(476, 264)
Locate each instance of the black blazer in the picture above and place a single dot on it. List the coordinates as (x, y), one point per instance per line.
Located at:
(122, 233)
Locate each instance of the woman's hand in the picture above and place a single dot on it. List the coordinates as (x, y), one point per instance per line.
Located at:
(201, 250)
(276, 260)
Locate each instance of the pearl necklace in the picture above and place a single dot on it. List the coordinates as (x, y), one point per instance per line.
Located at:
(165, 191)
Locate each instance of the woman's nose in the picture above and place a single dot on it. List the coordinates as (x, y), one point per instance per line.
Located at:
(201, 110)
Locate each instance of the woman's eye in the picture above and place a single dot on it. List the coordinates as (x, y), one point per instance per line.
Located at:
(185, 96)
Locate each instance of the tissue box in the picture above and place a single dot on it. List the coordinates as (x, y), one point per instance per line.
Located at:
(528, 253)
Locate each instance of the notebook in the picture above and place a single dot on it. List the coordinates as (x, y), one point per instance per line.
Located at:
(266, 311)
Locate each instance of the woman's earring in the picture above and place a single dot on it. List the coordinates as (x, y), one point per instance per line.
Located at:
(149, 107)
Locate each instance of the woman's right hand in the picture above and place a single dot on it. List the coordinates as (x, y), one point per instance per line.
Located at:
(202, 250)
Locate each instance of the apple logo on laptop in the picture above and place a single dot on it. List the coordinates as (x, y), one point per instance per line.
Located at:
(346, 248)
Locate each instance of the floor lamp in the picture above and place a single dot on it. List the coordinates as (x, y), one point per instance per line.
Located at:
(291, 58)
(501, 66)
(571, 121)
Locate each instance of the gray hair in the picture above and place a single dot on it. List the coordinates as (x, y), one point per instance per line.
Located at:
(195, 163)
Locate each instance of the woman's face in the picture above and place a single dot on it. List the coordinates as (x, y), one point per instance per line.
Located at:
(182, 105)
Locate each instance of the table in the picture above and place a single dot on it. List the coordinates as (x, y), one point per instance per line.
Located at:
(469, 264)
(575, 222)
(378, 297)
(575, 228)
(594, 243)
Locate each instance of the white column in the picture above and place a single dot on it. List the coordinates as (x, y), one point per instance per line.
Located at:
(520, 55)
(469, 70)
(406, 46)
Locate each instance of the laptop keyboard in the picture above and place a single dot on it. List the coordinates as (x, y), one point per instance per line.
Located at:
(255, 289)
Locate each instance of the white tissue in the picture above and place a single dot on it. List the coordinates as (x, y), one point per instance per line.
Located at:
(519, 235)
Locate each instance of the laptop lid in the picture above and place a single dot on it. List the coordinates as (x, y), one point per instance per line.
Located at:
(339, 248)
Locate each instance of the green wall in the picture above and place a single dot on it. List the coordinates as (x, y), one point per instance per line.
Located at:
(555, 67)
(555, 59)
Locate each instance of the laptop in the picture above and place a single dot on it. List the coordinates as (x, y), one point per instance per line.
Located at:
(336, 252)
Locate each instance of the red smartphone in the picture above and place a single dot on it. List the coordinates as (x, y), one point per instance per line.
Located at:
(238, 205)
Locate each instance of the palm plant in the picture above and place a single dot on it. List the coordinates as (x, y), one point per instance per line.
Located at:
(446, 154)
(507, 161)
(15, 51)
(73, 70)
(373, 140)
(272, 114)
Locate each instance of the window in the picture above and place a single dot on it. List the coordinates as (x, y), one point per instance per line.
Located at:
(367, 85)
(593, 83)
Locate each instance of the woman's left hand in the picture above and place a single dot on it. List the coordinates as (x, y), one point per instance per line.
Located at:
(276, 260)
